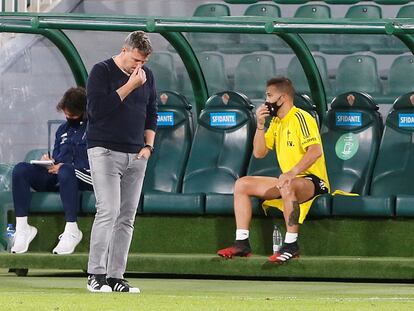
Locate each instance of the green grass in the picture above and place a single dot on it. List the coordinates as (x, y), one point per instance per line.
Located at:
(42, 290)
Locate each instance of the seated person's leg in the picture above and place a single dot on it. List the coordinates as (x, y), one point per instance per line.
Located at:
(26, 176)
(298, 191)
(69, 194)
(246, 187)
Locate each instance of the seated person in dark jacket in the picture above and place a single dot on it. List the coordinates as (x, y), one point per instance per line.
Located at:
(68, 174)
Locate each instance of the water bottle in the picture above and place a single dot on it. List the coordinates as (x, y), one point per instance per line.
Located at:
(10, 231)
(277, 239)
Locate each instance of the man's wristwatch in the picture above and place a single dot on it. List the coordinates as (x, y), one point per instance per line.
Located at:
(151, 148)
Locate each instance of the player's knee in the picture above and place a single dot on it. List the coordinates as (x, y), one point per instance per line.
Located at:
(287, 192)
(242, 185)
(20, 170)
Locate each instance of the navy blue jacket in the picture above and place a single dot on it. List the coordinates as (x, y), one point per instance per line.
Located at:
(70, 146)
(115, 124)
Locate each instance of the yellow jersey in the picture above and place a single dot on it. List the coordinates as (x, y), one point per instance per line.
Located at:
(290, 137)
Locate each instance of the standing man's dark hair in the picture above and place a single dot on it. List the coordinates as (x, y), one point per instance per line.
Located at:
(122, 116)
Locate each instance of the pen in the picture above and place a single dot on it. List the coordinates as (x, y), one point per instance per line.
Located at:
(48, 154)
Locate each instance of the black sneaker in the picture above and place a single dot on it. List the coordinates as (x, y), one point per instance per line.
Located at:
(97, 283)
(286, 253)
(239, 248)
(121, 285)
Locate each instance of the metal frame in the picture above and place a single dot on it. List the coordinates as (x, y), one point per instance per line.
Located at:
(51, 26)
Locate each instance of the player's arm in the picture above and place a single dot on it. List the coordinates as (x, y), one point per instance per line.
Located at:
(313, 153)
(259, 142)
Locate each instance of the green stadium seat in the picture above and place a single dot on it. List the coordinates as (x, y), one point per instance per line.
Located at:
(256, 42)
(34, 154)
(315, 11)
(358, 73)
(391, 44)
(251, 74)
(351, 135)
(211, 41)
(297, 75)
(400, 77)
(349, 43)
(162, 65)
(219, 155)
(213, 67)
(5, 176)
(393, 2)
(395, 163)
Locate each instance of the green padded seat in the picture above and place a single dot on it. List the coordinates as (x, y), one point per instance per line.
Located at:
(297, 75)
(363, 206)
(162, 65)
(165, 169)
(391, 44)
(393, 2)
(351, 135)
(211, 41)
(5, 176)
(358, 73)
(214, 70)
(251, 74)
(395, 162)
(88, 202)
(256, 42)
(218, 156)
(34, 154)
(350, 43)
(400, 77)
(315, 11)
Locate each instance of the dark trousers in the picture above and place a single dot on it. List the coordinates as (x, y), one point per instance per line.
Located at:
(26, 176)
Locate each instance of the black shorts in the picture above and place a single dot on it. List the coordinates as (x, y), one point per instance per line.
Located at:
(320, 187)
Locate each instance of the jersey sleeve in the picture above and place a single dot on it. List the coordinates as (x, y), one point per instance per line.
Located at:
(270, 137)
(308, 130)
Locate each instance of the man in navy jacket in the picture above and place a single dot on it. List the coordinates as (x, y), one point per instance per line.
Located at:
(122, 116)
(68, 174)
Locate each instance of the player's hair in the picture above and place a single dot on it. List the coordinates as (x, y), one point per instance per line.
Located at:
(283, 84)
(74, 100)
(139, 40)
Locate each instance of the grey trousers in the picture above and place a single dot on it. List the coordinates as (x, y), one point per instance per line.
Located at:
(117, 181)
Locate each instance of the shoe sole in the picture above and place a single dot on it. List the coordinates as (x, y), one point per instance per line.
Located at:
(33, 233)
(279, 262)
(231, 257)
(108, 289)
(72, 249)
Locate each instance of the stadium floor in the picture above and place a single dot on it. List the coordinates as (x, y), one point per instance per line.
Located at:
(55, 290)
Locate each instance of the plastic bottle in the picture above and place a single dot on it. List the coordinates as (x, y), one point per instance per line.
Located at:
(10, 231)
(277, 239)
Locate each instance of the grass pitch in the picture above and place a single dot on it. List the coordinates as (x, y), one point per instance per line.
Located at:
(42, 290)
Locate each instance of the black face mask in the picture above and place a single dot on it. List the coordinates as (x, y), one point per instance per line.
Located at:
(74, 122)
(273, 107)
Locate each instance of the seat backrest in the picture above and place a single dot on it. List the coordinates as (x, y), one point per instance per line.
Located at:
(358, 73)
(268, 166)
(395, 163)
(34, 154)
(313, 11)
(214, 70)
(401, 75)
(162, 65)
(351, 135)
(222, 144)
(212, 10)
(263, 9)
(166, 166)
(364, 11)
(251, 74)
(297, 75)
(406, 11)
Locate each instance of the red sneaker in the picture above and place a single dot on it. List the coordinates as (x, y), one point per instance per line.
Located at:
(239, 248)
(286, 253)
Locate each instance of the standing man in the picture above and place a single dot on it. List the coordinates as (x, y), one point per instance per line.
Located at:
(294, 135)
(122, 116)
